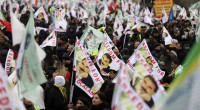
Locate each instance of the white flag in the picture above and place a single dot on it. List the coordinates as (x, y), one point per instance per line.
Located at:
(18, 29)
(50, 40)
(164, 16)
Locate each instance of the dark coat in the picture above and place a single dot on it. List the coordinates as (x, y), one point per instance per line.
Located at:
(55, 100)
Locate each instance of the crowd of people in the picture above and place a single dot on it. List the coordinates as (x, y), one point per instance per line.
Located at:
(58, 63)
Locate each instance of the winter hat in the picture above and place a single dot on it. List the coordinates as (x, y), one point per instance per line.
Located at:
(60, 80)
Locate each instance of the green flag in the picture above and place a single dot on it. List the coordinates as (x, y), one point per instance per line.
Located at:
(184, 91)
(91, 39)
(29, 68)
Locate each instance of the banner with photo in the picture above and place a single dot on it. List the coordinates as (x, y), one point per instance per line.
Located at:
(60, 22)
(145, 52)
(87, 76)
(91, 39)
(143, 74)
(106, 59)
(124, 96)
(40, 13)
(50, 40)
(9, 60)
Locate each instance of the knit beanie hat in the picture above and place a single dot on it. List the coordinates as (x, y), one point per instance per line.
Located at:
(60, 80)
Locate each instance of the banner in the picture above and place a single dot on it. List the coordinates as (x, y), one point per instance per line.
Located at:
(158, 7)
(106, 59)
(9, 58)
(166, 36)
(8, 99)
(143, 72)
(50, 40)
(118, 28)
(60, 23)
(124, 96)
(87, 76)
(40, 13)
(91, 39)
(145, 52)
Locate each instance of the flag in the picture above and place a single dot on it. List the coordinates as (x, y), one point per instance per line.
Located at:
(113, 6)
(148, 20)
(118, 28)
(60, 22)
(164, 16)
(18, 29)
(29, 69)
(9, 100)
(50, 40)
(87, 76)
(106, 59)
(40, 13)
(91, 39)
(143, 49)
(9, 58)
(142, 67)
(171, 15)
(7, 24)
(182, 14)
(184, 90)
(2, 16)
(166, 36)
(124, 96)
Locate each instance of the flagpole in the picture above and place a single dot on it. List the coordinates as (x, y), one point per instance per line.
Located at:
(71, 88)
(124, 41)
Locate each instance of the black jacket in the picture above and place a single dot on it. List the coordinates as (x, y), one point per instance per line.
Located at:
(55, 100)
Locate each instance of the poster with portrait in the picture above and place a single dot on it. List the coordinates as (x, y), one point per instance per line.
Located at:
(91, 39)
(60, 22)
(124, 96)
(40, 13)
(106, 59)
(145, 83)
(87, 76)
(166, 36)
(145, 52)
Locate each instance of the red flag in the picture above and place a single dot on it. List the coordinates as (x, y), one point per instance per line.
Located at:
(113, 6)
(7, 24)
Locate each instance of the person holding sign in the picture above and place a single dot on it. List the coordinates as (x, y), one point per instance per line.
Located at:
(146, 89)
(82, 73)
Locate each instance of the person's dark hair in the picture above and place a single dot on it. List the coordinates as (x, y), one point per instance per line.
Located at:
(3, 54)
(176, 62)
(154, 82)
(101, 96)
(108, 56)
(85, 101)
(73, 108)
(66, 56)
(115, 72)
(83, 108)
